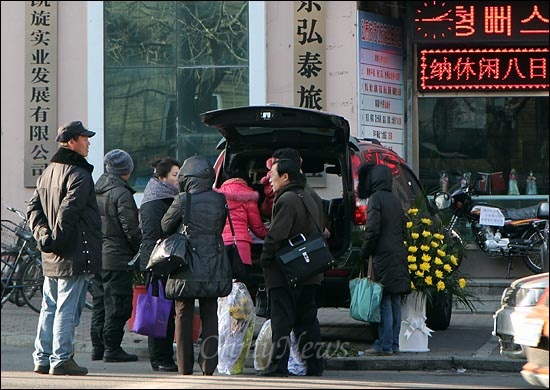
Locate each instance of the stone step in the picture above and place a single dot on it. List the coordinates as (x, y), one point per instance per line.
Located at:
(488, 277)
(488, 292)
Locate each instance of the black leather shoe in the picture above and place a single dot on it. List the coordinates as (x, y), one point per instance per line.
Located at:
(273, 372)
(376, 352)
(314, 373)
(40, 369)
(166, 367)
(119, 355)
(97, 354)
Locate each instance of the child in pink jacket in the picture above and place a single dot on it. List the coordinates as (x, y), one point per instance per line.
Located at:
(245, 214)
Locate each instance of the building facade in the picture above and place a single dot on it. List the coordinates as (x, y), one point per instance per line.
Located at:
(139, 73)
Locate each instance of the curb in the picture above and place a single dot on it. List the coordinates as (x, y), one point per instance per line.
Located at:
(402, 362)
(429, 363)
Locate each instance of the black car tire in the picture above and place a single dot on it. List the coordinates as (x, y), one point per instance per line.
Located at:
(439, 311)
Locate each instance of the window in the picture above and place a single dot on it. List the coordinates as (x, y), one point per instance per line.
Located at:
(484, 134)
(165, 63)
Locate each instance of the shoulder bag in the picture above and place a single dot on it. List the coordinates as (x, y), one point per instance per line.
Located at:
(152, 313)
(366, 295)
(305, 256)
(170, 253)
(261, 304)
(237, 267)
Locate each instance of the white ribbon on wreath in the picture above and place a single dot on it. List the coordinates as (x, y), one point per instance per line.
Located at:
(414, 323)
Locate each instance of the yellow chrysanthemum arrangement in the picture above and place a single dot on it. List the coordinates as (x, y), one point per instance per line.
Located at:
(433, 260)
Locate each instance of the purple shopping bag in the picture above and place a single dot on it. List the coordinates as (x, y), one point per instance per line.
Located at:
(152, 313)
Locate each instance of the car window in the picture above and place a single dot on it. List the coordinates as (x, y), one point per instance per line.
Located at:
(528, 296)
(407, 187)
(405, 184)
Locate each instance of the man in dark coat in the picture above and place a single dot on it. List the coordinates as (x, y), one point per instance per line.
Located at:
(385, 232)
(112, 287)
(66, 224)
(292, 308)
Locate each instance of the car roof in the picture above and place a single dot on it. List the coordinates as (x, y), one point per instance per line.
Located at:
(276, 125)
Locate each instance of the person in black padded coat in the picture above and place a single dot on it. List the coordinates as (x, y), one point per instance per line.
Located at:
(208, 275)
(385, 232)
(121, 238)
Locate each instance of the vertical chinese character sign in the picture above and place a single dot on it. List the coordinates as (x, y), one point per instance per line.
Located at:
(40, 127)
(309, 55)
(381, 103)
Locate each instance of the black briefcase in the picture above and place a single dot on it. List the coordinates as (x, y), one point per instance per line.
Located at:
(305, 257)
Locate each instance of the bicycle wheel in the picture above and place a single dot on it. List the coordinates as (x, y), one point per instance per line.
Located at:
(9, 275)
(31, 281)
(15, 297)
(533, 257)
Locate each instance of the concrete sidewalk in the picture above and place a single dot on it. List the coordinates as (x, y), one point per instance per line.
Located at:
(466, 345)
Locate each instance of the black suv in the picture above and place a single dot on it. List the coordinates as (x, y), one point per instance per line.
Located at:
(331, 160)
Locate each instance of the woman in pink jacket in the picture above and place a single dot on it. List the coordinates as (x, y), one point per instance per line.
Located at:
(245, 214)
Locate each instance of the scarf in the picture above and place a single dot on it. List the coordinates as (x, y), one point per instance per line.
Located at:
(158, 189)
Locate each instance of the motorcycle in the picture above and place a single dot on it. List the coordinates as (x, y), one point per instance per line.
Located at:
(497, 231)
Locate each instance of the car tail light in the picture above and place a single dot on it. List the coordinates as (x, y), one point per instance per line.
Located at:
(360, 212)
(355, 165)
(337, 273)
(360, 206)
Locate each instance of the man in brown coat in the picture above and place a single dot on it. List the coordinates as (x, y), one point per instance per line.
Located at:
(292, 307)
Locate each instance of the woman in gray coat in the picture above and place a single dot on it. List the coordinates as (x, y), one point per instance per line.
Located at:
(208, 275)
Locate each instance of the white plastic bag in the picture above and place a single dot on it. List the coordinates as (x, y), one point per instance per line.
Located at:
(263, 348)
(236, 320)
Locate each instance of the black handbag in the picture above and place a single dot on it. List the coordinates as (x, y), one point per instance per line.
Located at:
(305, 256)
(261, 303)
(237, 267)
(170, 253)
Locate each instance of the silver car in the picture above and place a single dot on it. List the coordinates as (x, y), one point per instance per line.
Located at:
(543, 213)
(516, 301)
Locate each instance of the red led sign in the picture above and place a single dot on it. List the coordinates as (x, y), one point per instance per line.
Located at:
(480, 21)
(482, 69)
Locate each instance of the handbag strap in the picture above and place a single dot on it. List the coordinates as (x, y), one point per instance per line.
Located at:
(230, 223)
(186, 213)
(156, 290)
(370, 270)
(161, 290)
(301, 196)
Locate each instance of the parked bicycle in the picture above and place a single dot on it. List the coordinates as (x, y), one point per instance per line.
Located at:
(22, 277)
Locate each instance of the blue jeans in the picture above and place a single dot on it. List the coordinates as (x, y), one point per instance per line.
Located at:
(62, 303)
(390, 323)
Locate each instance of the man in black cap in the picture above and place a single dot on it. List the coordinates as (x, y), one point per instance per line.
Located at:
(112, 287)
(70, 130)
(65, 220)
